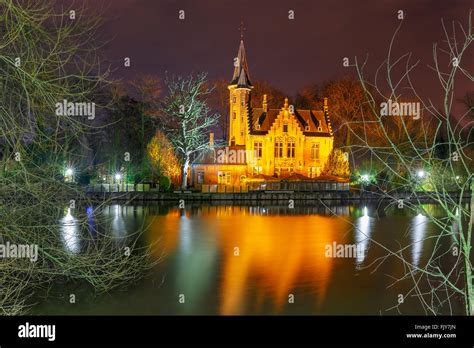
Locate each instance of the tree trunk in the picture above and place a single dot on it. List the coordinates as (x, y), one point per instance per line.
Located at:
(347, 142)
(184, 173)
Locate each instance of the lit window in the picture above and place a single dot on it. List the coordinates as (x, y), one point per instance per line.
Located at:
(313, 172)
(258, 147)
(200, 177)
(224, 177)
(291, 148)
(234, 99)
(278, 148)
(315, 151)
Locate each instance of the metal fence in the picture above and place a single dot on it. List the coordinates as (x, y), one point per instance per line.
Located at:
(119, 188)
(297, 186)
(223, 188)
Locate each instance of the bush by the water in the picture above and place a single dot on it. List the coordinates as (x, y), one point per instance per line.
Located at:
(165, 183)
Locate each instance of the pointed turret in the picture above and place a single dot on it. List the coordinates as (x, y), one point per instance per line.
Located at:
(241, 76)
(239, 92)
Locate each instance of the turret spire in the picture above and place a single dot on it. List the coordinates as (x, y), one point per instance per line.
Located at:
(242, 29)
(241, 75)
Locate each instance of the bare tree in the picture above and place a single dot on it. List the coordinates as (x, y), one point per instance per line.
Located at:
(188, 118)
(275, 96)
(346, 104)
(414, 163)
(219, 100)
(149, 91)
(49, 55)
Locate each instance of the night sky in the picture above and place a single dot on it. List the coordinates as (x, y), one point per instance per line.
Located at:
(288, 53)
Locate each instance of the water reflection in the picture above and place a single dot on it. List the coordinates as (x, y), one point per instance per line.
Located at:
(195, 261)
(417, 237)
(275, 255)
(70, 233)
(262, 257)
(115, 218)
(363, 233)
(185, 233)
(91, 222)
(252, 259)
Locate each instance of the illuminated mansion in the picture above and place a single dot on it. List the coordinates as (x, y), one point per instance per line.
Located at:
(278, 143)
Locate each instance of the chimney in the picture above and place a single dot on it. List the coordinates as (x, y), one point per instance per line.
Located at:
(325, 105)
(265, 103)
(211, 139)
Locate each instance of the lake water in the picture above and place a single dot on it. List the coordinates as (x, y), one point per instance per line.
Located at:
(262, 260)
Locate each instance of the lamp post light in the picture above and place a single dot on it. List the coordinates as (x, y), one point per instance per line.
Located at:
(364, 180)
(421, 174)
(69, 174)
(118, 177)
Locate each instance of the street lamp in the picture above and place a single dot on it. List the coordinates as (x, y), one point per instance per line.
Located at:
(69, 174)
(118, 177)
(421, 174)
(365, 177)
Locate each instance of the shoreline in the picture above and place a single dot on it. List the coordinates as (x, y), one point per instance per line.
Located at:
(256, 196)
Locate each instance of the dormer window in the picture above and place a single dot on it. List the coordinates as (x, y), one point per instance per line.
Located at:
(257, 126)
(306, 128)
(320, 129)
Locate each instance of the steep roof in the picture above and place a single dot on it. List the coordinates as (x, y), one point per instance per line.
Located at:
(241, 76)
(311, 122)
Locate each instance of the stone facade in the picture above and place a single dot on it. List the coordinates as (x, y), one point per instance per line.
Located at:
(263, 142)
